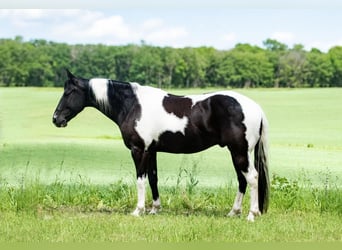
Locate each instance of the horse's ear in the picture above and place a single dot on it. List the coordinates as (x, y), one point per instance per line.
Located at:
(69, 74)
(76, 81)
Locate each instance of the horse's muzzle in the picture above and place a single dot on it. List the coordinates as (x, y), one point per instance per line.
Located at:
(60, 123)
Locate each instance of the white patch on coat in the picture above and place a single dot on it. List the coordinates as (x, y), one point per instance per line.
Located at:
(100, 90)
(252, 112)
(154, 119)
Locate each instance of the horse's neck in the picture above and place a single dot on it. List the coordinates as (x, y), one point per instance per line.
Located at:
(121, 99)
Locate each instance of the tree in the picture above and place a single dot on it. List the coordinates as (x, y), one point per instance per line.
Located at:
(246, 66)
(319, 69)
(43, 63)
(274, 51)
(212, 58)
(123, 60)
(274, 45)
(192, 67)
(335, 55)
(92, 61)
(60, 57)
(17, 59)
(146, 66)
(293, 68)
(169, 57)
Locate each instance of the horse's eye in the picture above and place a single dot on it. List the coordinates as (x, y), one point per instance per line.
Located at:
(68, 91)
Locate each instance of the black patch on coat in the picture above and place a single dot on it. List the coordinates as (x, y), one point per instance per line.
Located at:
(177, 105)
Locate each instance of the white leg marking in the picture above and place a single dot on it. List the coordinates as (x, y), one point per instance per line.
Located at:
(237, 207)
(252, 179)
(140, 209)
(155, 206)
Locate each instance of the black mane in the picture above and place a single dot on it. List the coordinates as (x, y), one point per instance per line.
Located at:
(121, 98)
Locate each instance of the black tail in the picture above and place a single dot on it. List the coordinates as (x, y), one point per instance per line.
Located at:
(261, 165)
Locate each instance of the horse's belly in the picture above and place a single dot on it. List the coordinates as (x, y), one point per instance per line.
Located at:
(178, 143)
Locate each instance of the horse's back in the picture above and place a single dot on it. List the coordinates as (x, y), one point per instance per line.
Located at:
(195, 122)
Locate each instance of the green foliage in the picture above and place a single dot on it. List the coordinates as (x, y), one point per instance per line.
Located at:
(284, 190)
(295, 195)
(245, 66)
(43, 63)
(335, 55)
(320, 69)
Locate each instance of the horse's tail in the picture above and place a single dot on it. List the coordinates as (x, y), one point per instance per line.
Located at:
(261, 165)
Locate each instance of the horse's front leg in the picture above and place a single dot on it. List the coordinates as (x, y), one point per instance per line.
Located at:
(141, 161)
(153, 180)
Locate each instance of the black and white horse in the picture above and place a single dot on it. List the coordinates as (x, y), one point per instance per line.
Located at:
(151, 121)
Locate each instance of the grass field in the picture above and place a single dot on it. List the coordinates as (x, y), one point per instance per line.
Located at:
(77, 183)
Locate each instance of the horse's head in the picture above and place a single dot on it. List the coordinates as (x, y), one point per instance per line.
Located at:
(72, 102)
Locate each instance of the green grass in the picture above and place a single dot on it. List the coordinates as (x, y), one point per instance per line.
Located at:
(102, 227)
(81, 211)
(78, 183)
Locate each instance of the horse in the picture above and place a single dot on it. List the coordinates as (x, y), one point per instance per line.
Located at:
(151, 120)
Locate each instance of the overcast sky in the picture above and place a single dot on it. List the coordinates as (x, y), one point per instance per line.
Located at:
(196, 23)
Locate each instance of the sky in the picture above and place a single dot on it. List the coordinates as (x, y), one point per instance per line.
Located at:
(220, 24)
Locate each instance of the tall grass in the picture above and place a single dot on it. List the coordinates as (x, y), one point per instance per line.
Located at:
(80, 211)
(185, 197)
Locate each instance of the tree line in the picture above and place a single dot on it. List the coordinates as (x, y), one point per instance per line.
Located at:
(43, 63)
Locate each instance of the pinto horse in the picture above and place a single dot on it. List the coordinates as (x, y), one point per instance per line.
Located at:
(151, 121)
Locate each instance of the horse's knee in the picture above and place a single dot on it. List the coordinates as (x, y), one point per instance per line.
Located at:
(251, 177)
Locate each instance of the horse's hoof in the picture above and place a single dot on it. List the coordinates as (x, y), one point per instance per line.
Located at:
(155, 210)
(138, 211)
(252, 214)
(234, 213)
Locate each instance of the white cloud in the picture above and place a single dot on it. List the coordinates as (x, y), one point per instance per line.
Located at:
(155, 31)
(23, 14)
(86, 26)
(166, 35)
(23, 18)
(324, 45)
(230, 37)
(153, 23)
(108, 26)
(285, 37)
(224, 41)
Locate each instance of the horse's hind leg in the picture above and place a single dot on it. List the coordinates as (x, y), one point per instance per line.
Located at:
(237, 206)
(240, 162)
(246, 174)
(153, 181)
(252, 179)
